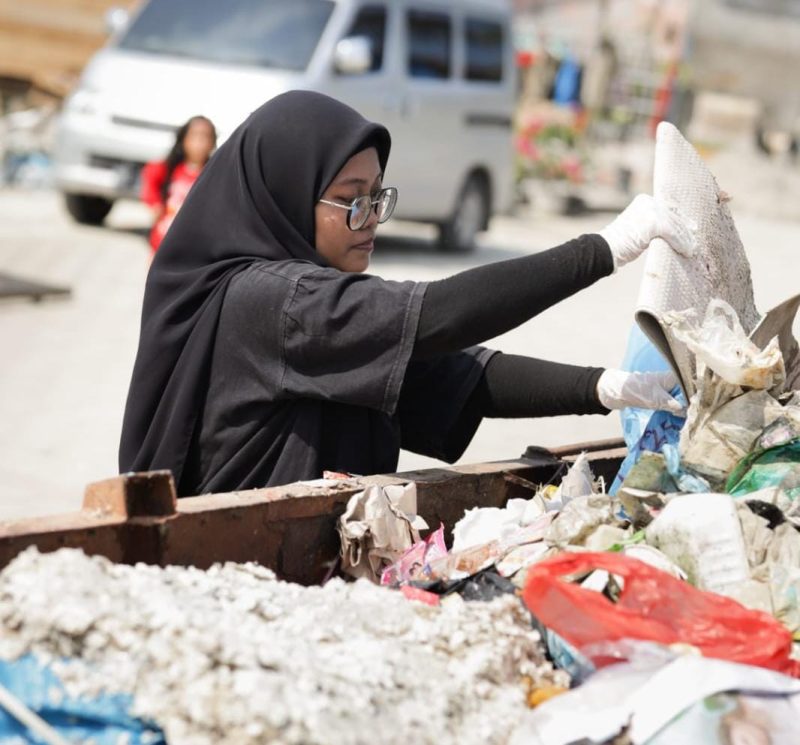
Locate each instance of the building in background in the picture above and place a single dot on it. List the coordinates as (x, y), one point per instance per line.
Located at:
(624, 57)
(744, 55)
(734, 56)
(44, 44)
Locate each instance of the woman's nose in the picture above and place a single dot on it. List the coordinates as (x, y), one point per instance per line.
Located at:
(372, 220)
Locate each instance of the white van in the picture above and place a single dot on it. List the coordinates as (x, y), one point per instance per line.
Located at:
(439, 74)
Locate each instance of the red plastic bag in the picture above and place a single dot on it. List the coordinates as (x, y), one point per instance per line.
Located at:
(653, 606)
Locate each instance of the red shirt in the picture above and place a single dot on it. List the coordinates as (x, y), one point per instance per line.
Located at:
(153, 175)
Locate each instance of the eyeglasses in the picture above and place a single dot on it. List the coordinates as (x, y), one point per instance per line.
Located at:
(359, 209)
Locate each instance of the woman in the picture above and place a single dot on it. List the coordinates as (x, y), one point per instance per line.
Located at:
(266, 354)
(166, 183)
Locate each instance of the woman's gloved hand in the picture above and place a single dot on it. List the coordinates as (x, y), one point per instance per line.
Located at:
(617, 389)
(644, 219)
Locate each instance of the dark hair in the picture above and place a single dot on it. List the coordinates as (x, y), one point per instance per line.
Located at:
(177, 154)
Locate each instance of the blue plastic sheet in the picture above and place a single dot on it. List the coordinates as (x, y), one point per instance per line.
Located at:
(643, 429)
(104, 720)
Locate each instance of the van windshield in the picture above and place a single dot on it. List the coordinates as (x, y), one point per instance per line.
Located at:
(267, 33)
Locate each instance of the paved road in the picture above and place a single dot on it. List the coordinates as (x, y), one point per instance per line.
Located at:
(66, 362)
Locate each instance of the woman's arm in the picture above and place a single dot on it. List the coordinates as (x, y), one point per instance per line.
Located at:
(479, 304)
(153, 175)
(514, 387)
(482, 303)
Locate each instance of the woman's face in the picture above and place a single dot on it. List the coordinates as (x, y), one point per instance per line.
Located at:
(199, 142)
(345, 249)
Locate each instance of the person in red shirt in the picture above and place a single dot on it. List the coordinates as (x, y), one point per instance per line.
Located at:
(165, 183)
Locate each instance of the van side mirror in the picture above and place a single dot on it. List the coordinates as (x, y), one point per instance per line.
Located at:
(353, 55)
(116, 20)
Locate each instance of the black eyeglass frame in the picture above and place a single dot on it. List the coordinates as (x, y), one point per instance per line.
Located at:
(360, 203)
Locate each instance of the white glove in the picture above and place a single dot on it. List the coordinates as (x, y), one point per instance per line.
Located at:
(617, 389)
(644, 219)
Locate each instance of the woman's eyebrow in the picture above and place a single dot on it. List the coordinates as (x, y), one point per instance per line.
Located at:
(355, 180)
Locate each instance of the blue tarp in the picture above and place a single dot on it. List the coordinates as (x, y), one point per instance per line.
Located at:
(105, 719)
(642, 429)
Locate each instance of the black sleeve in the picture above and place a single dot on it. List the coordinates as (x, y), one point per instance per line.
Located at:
(513, 387)
(444, 399)
(327, 335)
(481, 303)
(435, 392)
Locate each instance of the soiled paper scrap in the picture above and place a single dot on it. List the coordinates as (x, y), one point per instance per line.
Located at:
(646, 695)
(579, 482)
(464, 562)
(714, 440)
(482, 525)
(580, 518)
(378, 526)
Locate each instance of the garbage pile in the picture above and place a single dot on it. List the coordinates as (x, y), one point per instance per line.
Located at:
(683, 580)
(232, 655)
(663, 609)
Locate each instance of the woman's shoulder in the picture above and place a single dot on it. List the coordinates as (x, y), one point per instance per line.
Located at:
(297, 277)
(291, 271)
(274, 276)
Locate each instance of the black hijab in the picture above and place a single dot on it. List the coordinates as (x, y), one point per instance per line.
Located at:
(254, 201)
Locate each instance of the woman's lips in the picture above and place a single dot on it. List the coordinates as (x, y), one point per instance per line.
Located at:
(365, 246)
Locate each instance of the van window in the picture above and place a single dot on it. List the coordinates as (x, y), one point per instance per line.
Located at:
(371, 22)
(266, 33)
(428, 44)
(484, 50)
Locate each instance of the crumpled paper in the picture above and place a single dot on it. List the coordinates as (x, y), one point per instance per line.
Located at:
(735, 377)
(464, 562)
(578, 482)
(481, 525)
(379, 525)
(774, 557)
(715, 439)
(581, 516)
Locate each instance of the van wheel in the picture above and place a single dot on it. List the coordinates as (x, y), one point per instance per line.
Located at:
(86, 209)
(471, 215)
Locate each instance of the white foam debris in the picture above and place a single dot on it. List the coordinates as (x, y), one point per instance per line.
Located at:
(232, 655)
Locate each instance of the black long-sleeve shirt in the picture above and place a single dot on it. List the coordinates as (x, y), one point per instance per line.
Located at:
(481, 303)
(316, 369)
